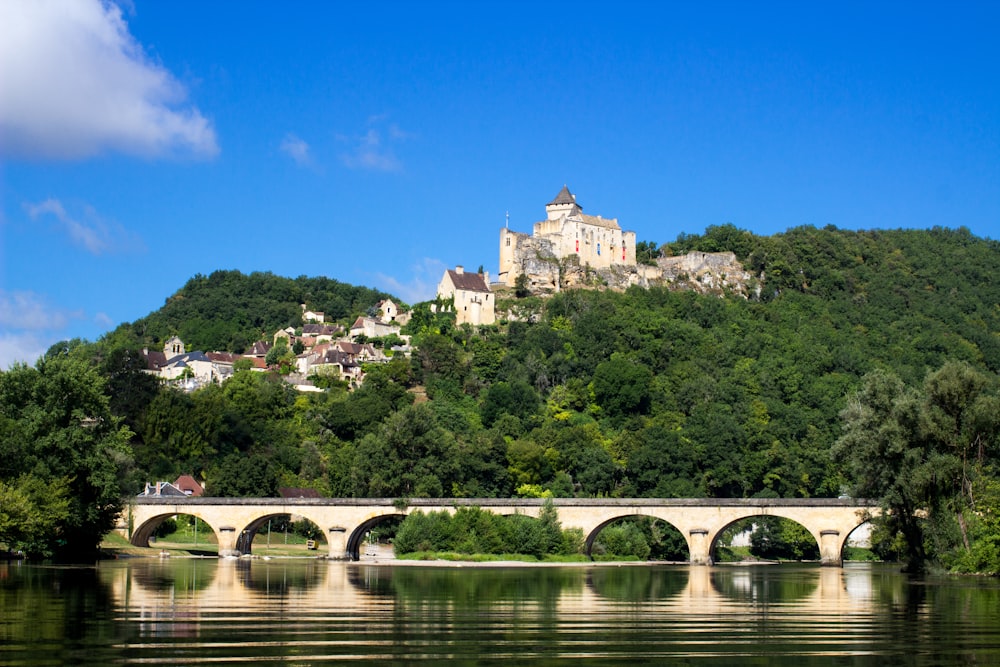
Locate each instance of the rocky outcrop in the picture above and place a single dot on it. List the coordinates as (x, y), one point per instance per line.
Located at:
(704, 272)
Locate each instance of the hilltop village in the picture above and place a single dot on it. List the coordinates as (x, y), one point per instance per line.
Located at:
(567, 249)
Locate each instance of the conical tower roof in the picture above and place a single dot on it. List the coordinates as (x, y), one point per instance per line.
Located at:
(564, 197)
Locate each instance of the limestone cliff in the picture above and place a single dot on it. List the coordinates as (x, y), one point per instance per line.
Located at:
(704, 272)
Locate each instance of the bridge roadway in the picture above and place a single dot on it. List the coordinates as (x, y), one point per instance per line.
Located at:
(345, 521)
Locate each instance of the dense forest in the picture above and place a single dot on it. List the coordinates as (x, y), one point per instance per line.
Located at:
(229, 311)
(650, 392)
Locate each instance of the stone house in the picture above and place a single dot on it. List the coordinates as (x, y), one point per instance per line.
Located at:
(312, 315)
(372, 328)
(391, 312)
(473, 301)
(320, 333)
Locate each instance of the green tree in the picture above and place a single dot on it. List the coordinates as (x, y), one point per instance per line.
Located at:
(57, 428)
(921, 451)
(32, 514)
(621, 387)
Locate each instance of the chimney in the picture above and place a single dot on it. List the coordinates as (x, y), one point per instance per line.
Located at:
(459, 269)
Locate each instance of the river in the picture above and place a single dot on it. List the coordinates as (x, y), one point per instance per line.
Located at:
(312, 612)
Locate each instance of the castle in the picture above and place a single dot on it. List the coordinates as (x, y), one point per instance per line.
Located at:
(571, 249)
(566, 232)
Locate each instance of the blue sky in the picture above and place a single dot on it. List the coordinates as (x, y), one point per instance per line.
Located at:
(144, 142)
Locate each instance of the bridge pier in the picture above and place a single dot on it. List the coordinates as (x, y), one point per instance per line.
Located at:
(228, 536)
(830, 548)
(337, 539)
(700, 547)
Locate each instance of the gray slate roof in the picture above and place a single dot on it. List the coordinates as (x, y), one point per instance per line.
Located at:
(564, 197)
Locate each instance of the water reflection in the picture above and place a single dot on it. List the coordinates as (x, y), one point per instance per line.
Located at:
(638, 584)
(310, 611)
(281, 576)
(178, 576)
(757, 584)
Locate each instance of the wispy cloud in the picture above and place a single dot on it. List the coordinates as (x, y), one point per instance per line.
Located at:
(297, 149)
(88, 230)
(421, 285)
(76, 83)
(375, 150)
(24, 347)
(26, 310)
(28, 326)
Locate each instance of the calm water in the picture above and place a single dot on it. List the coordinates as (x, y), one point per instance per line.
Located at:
(306, 612)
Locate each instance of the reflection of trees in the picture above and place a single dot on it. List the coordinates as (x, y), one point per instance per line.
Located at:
(469, 587)
(637, 584)
(186, 575)
(53, 605)
(766, 583)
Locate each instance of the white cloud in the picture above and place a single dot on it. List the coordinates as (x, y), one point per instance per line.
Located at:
(20, 348)
(75, 83)
(92, 232)
(422, 284)
(26, 310)
(28, 327)
(374, 150)
(296, 148)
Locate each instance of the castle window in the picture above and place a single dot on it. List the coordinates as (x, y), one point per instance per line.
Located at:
(508, 241)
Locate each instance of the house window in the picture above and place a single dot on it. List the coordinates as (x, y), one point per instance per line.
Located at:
(598, 248)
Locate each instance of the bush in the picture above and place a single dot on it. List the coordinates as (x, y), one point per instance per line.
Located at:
(472, 530)
(623, 540)
(168, 527)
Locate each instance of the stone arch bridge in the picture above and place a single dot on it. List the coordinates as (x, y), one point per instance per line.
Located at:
(345, 521)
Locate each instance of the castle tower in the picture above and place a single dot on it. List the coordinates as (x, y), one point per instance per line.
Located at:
(563, 205)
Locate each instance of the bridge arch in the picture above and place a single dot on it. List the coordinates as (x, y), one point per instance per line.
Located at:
(141, 533)
(755, 519)
(591, 537)
(244, 541)
(357, 536)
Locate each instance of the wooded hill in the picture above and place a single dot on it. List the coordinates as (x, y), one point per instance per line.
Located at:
(229, 311)
(648, 392)
(643, 393)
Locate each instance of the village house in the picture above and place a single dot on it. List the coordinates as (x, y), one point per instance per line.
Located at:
(189, 486)
(258, 349)
(288, 333)
(312, 316)
(360, 352)
(471, 295)
(372, 328)
(390, 312)
(320, 333)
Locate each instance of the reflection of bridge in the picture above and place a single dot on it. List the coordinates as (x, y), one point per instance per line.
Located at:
(163, 589)
(235, 521)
